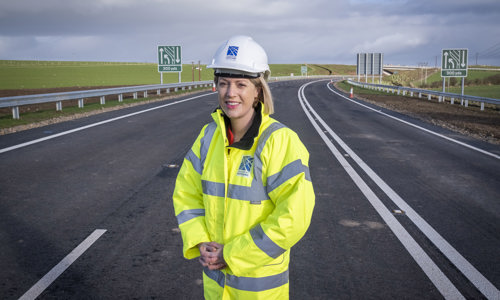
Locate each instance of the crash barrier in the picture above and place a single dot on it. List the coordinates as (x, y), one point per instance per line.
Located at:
(15, 102)
(464, 99)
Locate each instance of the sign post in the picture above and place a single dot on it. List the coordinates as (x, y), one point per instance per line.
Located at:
(169, 60)
(303, 70)
(370, 64)
(454, 63)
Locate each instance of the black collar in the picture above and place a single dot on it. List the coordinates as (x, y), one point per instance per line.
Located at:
(246, 142)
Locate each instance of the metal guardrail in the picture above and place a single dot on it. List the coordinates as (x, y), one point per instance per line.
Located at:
(15, 101)
(429, 93)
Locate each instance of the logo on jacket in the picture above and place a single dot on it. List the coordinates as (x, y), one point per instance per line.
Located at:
(245, 166)
(232, 52)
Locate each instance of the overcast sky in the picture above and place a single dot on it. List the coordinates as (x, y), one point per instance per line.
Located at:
(291, 31)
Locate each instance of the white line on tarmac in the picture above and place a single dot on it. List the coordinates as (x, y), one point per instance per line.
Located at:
(418, 127)
(482, 283)
(56, 271)
(438, 278)
(93, 125)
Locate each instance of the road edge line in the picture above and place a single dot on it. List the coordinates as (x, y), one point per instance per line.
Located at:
(56, 271)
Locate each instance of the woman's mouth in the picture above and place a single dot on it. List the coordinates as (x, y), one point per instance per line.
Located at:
(231, 105)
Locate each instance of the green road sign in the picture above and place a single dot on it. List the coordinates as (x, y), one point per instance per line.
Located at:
(303, 70)
(454, 63)
(169, 59)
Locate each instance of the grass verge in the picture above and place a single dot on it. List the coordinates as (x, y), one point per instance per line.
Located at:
(356, 89)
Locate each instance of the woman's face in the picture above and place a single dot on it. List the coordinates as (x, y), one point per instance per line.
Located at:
(237, 97)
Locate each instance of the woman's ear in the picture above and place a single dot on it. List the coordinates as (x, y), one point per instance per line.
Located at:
(258, 94)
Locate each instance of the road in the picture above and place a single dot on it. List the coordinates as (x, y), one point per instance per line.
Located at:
(404, 210)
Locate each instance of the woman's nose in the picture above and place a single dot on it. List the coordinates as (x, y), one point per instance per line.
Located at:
(230, 91)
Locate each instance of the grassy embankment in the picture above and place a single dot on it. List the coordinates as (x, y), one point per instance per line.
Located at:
(483, 83)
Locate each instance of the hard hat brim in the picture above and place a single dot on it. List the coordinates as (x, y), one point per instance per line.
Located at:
(232, 73)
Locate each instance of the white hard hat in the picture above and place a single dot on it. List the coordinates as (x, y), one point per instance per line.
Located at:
(240, 56)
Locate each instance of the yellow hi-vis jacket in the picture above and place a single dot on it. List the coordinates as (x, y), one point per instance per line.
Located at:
(255, 197)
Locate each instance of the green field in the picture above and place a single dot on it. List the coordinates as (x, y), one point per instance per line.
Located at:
(471, 75)
(482, 83)
(488, 91)
(52, 74)
(34, 75)
(474, 84)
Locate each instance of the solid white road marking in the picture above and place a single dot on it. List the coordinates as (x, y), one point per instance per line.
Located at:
(438, 278)
(94, 125)
(482, 283)
(56, 271)
(418, 127)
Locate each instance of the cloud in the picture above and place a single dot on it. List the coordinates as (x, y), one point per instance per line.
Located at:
(293, 31)
(391, 43)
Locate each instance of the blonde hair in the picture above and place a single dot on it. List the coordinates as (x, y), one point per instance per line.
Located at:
(264, 95)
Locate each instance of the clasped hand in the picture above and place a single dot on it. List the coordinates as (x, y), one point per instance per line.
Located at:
(211, 255)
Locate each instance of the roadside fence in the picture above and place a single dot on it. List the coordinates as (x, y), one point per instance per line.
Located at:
(15, 102)
(464, 99)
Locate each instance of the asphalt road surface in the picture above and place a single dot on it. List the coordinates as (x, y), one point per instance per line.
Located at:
(404, 210)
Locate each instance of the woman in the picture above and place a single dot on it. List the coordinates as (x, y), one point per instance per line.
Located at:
(243, 196)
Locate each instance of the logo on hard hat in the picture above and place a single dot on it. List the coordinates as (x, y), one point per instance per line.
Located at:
(232, 52)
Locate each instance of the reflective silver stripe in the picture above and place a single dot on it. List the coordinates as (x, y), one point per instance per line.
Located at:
(257, 186)
(187, 215)
(195, 161)
(205, 142)
(251, 284)
(257, 167)
(213, 188)
(254, 193)
(215, 275)
(289, 171)
(257, 284)
(204, 145)
(265, 243)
